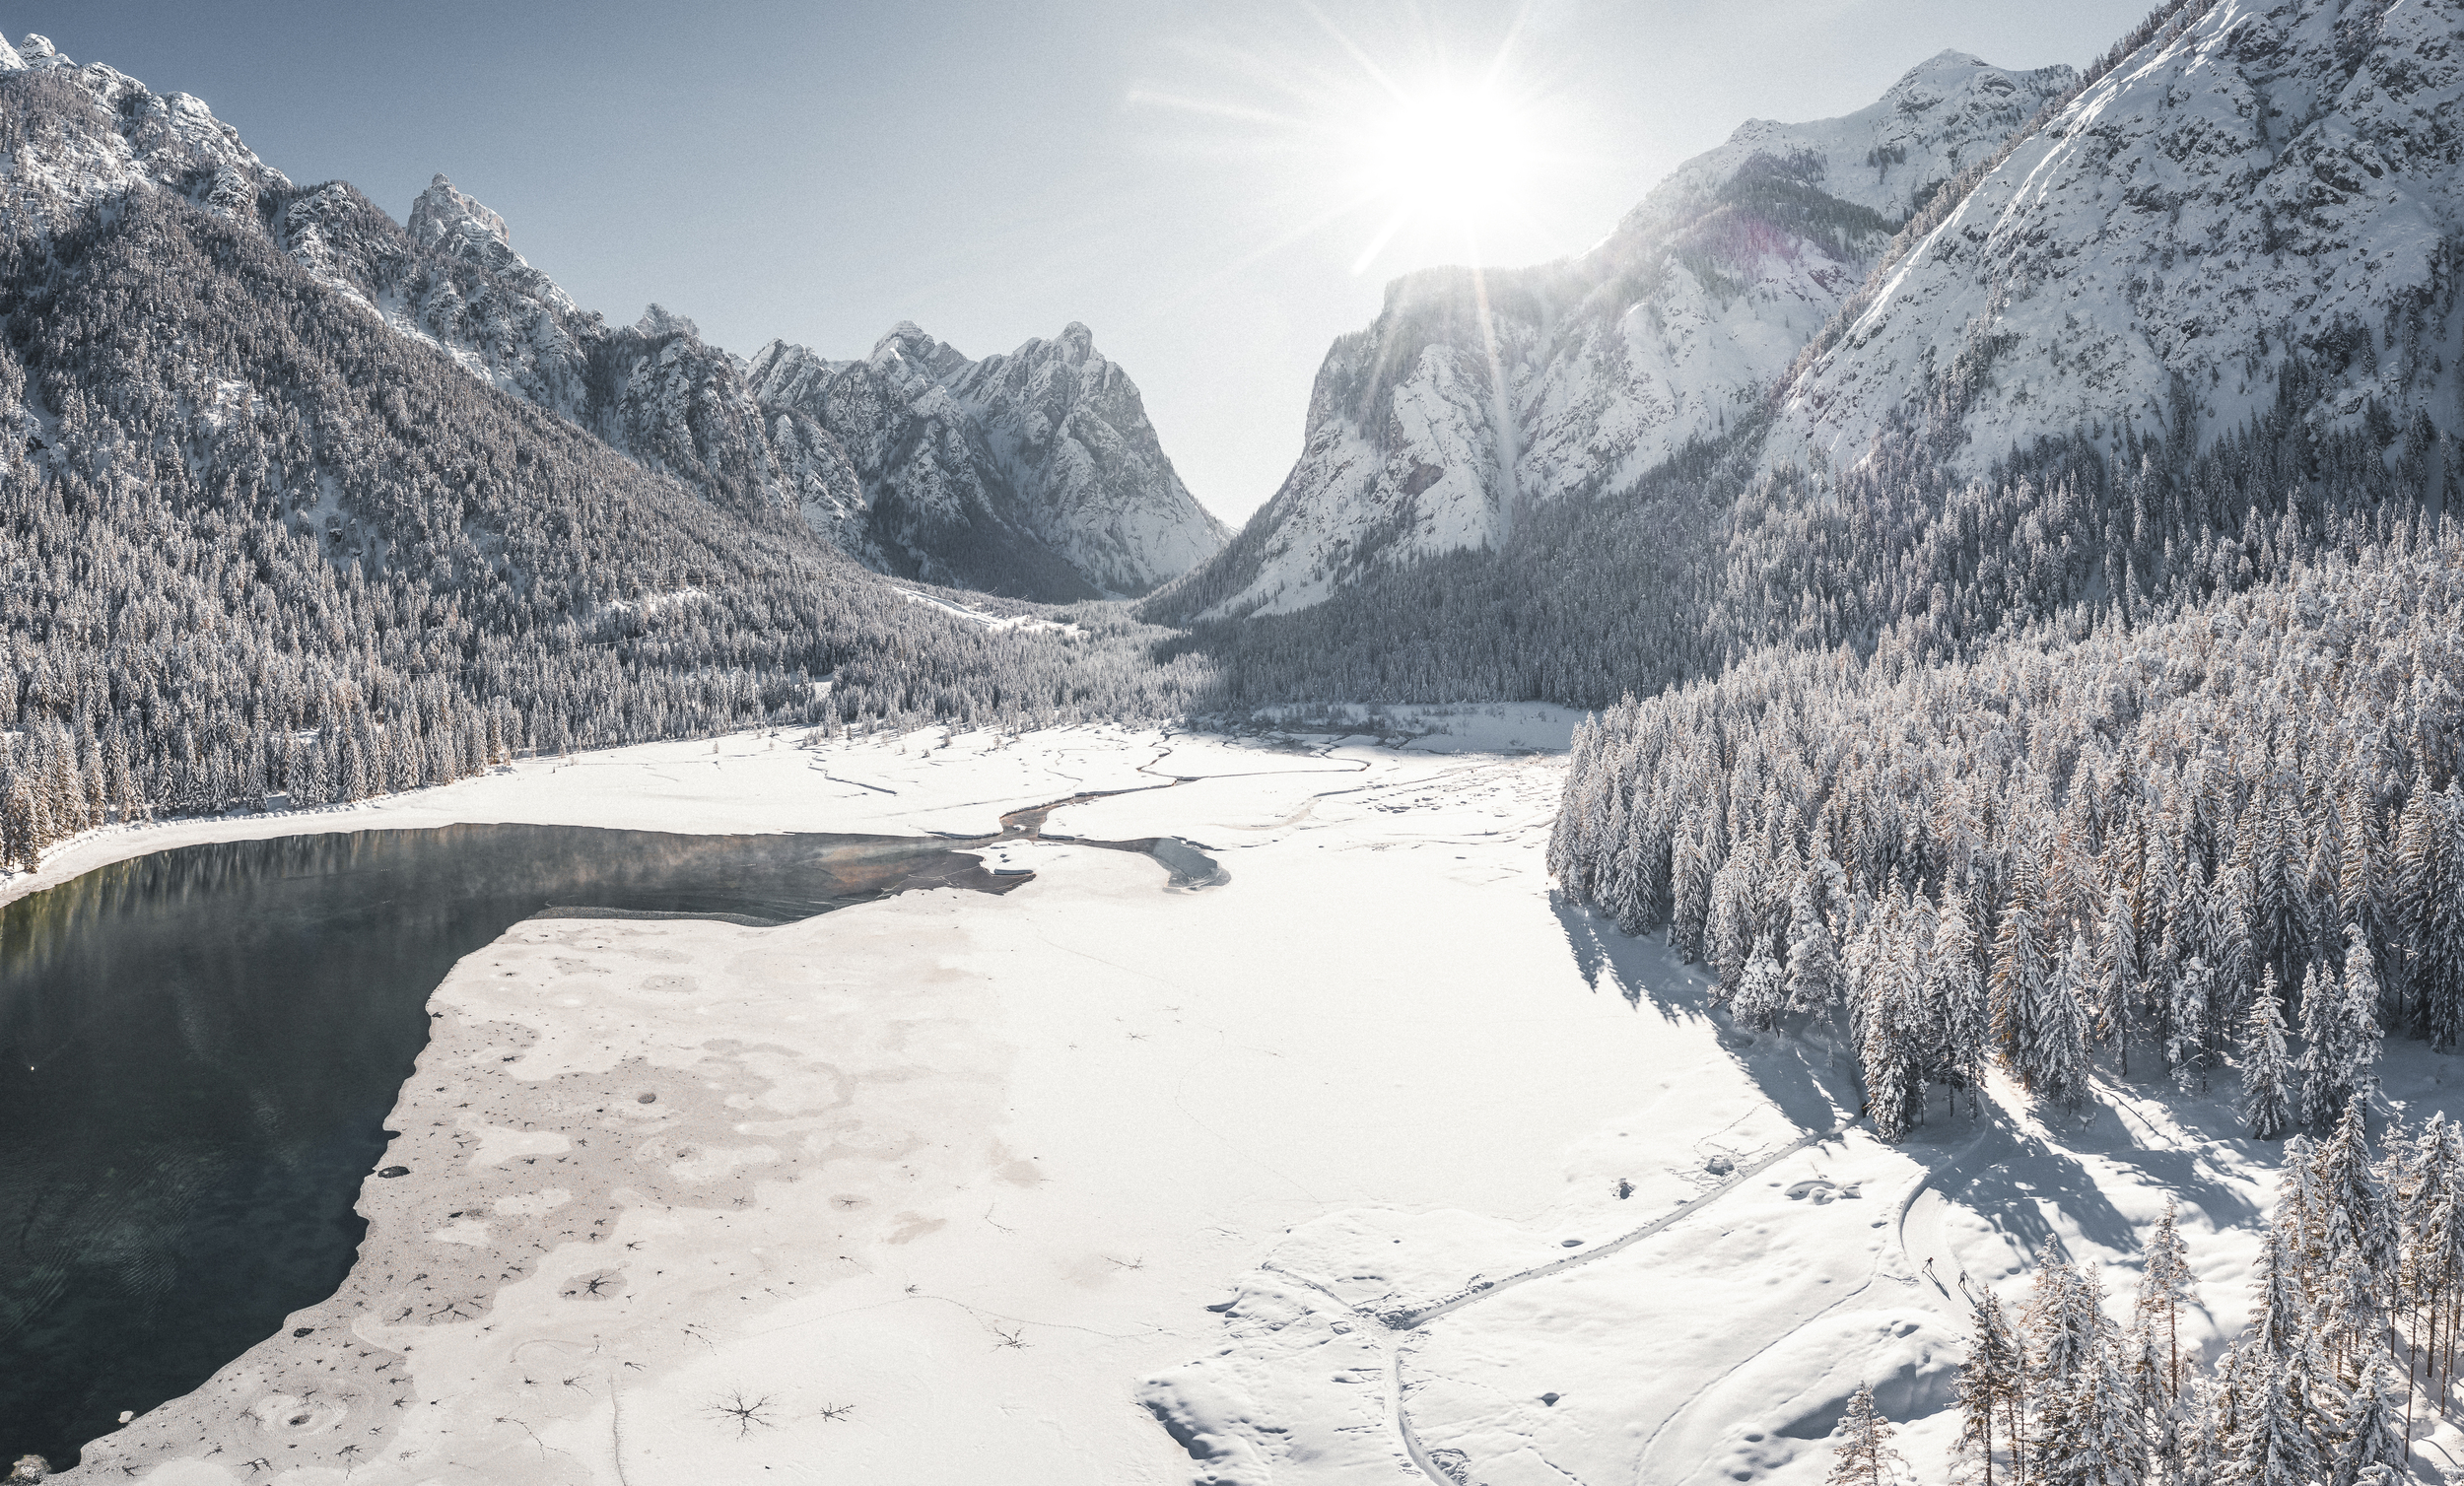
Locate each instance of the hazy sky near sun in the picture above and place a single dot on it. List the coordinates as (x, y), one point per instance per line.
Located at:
(1185, 177)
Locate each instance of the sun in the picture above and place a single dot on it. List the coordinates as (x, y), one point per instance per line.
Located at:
(1436, 148)
(1449, 154)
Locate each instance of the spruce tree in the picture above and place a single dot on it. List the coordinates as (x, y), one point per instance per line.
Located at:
(1763, 989)
(1813, 954)
(2165, 1285)
(2267, 1101)
(1864, 1456)
(2373, 1421)
(2324, 1059)
(1991, 1385)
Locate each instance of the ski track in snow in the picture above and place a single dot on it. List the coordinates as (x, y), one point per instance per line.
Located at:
(1398, 1329)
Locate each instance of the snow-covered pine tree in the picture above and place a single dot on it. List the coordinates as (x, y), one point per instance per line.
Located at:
(1761, 990)
(2165, 1285)
(1689, 870)
(1729, 937)
(1813, 954)
(2059, 1332)
(2273, 1444)
(2324, 1059)
(2360, 1245)
(2278, 1310)
(2362, 881)
(2021, 964)
(2056, 1067)
(1864, 1456)
(2188, 1047)
(1956, 988)
(2105, 1440)
(2374, 1410)
(2267, 1101)
(2113, 987)
(1991, 1386)
(2358, 1037)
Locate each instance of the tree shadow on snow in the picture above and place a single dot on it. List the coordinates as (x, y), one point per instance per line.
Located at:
(2012, 1174)
(1797, 1073)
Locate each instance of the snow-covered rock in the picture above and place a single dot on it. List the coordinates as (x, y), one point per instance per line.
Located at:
(1042, 460)
(88, 134)
(446, 222)
(2255, 182)
(1475, 395)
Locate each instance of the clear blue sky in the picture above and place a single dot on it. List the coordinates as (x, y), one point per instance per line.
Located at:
(1175, 174)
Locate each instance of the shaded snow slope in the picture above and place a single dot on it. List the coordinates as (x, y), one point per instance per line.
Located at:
(973, 467)
(1475, 392)
(2259, 181)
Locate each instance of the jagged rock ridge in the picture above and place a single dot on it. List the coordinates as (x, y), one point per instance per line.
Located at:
(972, 465)
(1061, 489)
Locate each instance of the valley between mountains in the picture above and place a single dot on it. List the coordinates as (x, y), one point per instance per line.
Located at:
(1822, 844)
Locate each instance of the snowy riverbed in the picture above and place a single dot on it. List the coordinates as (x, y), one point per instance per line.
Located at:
(953, 1188)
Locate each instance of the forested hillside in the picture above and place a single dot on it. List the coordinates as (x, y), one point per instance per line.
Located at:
(2168, 839)
(254, 540)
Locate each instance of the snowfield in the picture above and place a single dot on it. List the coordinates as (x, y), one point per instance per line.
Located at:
(1107, 1181)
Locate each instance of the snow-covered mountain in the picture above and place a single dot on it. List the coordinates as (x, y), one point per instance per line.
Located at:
(973, 468)
(1035, 475)
(1055, 484)
(1474, 394)
(2255, 182)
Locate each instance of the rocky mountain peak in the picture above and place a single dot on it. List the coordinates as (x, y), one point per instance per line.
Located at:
(907, 342)
(1075, 343)
(2256, 197)
(442, 212)
(453, 225)
(657, 321)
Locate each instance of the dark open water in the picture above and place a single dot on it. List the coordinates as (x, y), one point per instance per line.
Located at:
(198, 1050)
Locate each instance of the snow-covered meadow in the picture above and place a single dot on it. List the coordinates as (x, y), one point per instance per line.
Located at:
(1103, 1180)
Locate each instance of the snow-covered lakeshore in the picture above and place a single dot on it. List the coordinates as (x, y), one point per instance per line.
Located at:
(951, 1187)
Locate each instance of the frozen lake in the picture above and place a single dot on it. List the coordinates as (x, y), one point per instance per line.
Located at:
(199, 1047)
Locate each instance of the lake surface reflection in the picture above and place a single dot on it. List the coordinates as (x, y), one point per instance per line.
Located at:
(198, 1050)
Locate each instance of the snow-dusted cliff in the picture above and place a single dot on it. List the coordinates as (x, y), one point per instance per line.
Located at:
(1476, 393)
(99, 133)
(2256, 181)
(1036, 474)
(973, 467)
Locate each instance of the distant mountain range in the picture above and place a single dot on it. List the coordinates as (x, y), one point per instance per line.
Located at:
(1035, 475)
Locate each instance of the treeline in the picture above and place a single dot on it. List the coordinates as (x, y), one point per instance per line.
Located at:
(2353, 1337)
(2133, 839)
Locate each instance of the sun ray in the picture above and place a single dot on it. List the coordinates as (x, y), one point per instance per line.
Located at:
(1377, 245)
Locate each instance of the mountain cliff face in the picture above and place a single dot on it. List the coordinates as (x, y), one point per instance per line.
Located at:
(1035, 475)
(1476, 395)
(2259, 203)
(1042, 460)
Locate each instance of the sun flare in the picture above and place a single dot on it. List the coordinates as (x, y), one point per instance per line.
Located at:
(1433, 149)
(1450, 151)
